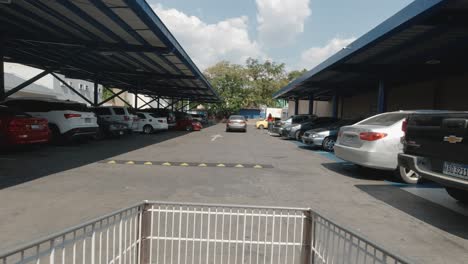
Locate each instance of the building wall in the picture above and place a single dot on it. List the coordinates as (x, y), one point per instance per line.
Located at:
(359, 105)
(320, 108)
(323, 108)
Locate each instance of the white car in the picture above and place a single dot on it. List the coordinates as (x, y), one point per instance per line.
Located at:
(118, 114)
(375, 143)
(149, 123)
(67, 119)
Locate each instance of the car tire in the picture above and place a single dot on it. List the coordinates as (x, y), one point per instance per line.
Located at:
(147, 129)
(328, 144)
(407, 175)
(261, 127)
(56, 137)
(457, 194)
(298, 135)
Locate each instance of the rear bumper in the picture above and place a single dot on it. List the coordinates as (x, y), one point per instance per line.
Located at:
(27, 138)
(375, 160)
(414, 163)
(236, 127)
(82, 132)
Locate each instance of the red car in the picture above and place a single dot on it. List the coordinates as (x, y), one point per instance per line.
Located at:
(18, 128)
(185, 122)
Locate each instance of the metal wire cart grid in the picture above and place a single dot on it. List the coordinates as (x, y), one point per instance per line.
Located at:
(155, 232)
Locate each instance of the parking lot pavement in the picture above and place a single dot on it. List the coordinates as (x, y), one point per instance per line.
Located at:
(49, 188)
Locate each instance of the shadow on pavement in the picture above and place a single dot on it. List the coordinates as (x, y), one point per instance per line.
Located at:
(420, 208)
(353, 171)
(32, 162)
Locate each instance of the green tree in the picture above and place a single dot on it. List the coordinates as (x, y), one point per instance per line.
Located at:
(295, 74)
(229, 80)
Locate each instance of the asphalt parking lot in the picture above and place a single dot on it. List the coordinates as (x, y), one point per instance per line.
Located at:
(46, 189)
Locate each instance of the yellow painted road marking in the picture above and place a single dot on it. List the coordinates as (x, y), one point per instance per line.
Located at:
(130, 162)
(221, 165)
(111, 162)
(258, 167)
(202, 165)
(239, 166)
(167, 164)
(149, 163)
(184, 164)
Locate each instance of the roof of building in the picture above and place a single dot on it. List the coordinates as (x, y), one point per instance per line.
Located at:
(120, 43)
(427, 39)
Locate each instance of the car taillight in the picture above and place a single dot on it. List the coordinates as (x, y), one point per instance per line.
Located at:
(371, 136)
(16, 125)
(136, 119)
(126, 118)
(404, 126)
(160, 121)
(68, 116)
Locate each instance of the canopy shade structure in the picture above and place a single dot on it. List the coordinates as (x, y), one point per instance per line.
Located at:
(118, 43)
(425, 40)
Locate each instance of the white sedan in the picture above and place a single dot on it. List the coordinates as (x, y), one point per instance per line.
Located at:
(149, 123)
(375, 143)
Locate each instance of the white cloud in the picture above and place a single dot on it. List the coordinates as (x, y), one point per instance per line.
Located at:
(208, 44)
(316, 55)
(280, 21)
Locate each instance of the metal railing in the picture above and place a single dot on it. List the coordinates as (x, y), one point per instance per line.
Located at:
(155, 232)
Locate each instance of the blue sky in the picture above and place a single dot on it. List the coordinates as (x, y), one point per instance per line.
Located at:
(300, 33)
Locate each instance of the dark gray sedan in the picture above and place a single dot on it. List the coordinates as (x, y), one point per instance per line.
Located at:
(236, 123)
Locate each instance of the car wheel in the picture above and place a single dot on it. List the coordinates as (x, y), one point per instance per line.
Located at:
(261, 127)
(56, 137)
(407, 175)
(328, 144)
(457, 194)
(147, 129)
(298, 135)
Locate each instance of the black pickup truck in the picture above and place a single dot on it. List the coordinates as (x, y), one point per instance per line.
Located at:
(436, 147)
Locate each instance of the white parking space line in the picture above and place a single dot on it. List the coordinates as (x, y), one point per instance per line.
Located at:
(438, 196)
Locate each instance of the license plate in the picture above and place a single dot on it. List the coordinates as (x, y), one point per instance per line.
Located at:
(456, 170)
(36, 127)
(87, 120)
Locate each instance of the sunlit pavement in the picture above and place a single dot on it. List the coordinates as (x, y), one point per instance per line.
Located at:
(51, 188)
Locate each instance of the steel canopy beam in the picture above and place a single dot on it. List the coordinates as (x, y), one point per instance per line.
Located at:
(71, 88)
(27, 83)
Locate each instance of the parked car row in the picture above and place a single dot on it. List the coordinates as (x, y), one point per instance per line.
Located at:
(415, 145)
(39, 120)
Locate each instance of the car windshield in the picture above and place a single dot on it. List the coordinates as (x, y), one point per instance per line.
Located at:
(119, 111)
(5, 111)
(237, 118)
(102, 111)
(385, 119)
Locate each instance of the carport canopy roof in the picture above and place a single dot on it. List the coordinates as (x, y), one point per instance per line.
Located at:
(424, 41)
(120, 43)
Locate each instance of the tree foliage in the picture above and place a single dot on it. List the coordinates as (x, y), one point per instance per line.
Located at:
(248, 86)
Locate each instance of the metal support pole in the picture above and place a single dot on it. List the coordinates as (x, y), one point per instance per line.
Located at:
(159, 103)
(335, 106)
(382, 98)
(145, 229)
(136, 99)
(311, 104)
(172, 103)
(296, 106)
(306, 254)
(96, 96)
(2, 73)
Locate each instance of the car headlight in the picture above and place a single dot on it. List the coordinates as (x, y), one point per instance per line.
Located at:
(287, 129)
